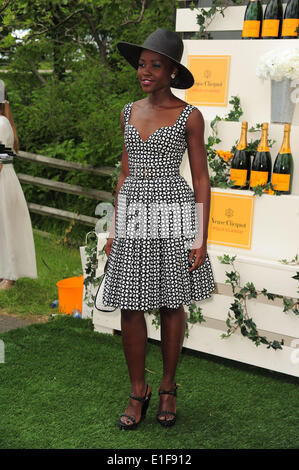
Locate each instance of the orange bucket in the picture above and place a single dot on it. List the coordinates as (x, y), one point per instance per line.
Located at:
(70, 294)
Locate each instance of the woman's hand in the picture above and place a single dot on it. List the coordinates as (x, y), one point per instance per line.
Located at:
(108, 245)
(199, 254)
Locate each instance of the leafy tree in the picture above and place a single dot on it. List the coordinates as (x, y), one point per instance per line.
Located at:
(72, 110)
(88, 28)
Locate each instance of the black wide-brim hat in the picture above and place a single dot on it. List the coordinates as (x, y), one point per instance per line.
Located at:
(163, 42)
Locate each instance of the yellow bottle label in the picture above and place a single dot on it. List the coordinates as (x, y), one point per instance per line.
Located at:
(281, 182)
(285, 150)
(251, 29)
(241, 147)
(258, 177)
(289, 27)
(239, 176)
(263, 148)
(270, 28)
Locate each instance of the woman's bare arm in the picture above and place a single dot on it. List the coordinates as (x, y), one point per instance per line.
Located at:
(201, 182)
(123, 175)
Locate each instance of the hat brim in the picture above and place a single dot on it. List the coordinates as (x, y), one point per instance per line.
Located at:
(131, 52)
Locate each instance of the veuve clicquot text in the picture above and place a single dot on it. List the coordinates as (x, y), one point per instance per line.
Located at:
(283, 168)
(253, 19)
(240, 165)
(272, 20)
(261, 165)
(291, 20)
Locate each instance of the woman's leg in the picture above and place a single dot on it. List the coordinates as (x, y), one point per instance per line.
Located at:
(134, 338)
(173, 324)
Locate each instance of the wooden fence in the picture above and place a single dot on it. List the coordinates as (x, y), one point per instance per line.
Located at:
(64, 187)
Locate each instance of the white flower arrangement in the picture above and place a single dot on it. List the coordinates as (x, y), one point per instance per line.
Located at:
(278, 64)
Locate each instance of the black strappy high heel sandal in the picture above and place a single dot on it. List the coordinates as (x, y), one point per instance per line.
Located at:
(167, 422)
(145, 402)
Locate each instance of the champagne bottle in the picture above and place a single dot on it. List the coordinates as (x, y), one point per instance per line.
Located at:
(240, 166)
(283, 168)
(253, 19)
(272, 20)
(261, 165)
(291, 20)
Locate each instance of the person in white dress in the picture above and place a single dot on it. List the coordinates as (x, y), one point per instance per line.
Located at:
(17, 250)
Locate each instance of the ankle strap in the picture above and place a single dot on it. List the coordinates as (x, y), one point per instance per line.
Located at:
(142, 399)
(169, 392)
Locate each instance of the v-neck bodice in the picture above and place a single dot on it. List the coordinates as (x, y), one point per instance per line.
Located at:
(164, 148)
(154, 132)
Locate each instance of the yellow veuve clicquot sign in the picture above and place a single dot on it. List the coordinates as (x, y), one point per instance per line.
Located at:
(211, 75)
(231, 217)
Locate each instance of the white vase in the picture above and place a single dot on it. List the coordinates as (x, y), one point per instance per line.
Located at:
(282, 107)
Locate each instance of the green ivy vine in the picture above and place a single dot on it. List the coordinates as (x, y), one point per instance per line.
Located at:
(238, 317)
(92, 259)
(221, 167)
(207, 15)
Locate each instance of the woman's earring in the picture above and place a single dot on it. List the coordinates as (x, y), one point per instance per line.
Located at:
(172, 76)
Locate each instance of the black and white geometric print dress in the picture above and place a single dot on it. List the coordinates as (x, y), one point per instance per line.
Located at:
(156, 224)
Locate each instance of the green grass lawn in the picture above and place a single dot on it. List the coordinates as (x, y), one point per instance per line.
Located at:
(34, 296)
(64, 386)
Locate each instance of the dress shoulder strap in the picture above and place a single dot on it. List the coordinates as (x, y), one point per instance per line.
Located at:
(186, 113)
(127, 112)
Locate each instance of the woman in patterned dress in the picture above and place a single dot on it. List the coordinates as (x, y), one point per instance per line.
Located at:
(145, 123)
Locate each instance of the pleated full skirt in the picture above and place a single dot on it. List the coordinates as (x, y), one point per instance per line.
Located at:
(147, 272)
